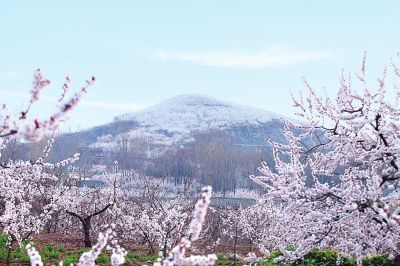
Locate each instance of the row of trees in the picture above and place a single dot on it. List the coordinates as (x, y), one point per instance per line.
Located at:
(212, 159)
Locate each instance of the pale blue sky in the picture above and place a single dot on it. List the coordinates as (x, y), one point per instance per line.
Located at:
(142, 52)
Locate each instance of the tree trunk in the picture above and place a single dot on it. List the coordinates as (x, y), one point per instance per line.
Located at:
(86, 233)
(165, 249)
(151, 251)
(86, 225)
(234, 245)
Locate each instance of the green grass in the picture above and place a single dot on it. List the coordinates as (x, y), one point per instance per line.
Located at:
(71, 258)
(378, 260)
(150, 258)
(3, 254)
(223, 259)
(50, 253)
(61, 248)
(133, 257)
(328, 258)
(269, 262)
(103, 259)
(3, 241)
(19, 255)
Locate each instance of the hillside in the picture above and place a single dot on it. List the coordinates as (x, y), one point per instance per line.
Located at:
(178, 120)
(181, 121)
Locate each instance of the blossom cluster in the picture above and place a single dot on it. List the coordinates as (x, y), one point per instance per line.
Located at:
(177, 255)
(30, 192)
(335, 182)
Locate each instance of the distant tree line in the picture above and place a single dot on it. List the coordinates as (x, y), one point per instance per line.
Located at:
(212, 159)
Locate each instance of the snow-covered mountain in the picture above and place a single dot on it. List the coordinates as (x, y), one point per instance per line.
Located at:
(197, 112)
(176, 119)
(180, 119)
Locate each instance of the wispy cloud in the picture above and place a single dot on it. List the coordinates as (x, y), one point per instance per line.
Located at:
(262, 59)
(87, 103)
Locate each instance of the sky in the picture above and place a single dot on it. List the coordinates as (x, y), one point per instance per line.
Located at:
(249, 52)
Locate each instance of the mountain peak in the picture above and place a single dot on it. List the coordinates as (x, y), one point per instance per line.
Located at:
(183, 115)
(196, 99)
